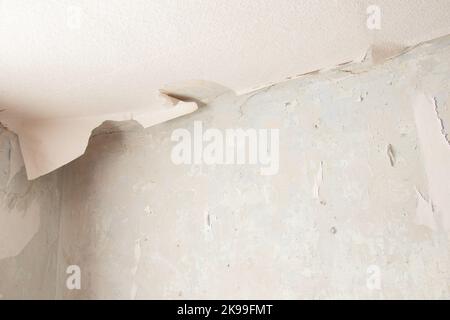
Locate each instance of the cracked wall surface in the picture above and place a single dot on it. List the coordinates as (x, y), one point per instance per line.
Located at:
(357, 209)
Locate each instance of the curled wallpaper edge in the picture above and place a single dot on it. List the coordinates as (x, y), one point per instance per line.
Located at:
(48, 144)
(436, 156)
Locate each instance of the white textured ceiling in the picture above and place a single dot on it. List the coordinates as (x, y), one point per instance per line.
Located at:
(72, 64)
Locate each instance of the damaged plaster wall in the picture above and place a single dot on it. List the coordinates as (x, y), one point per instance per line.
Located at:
(356, 198)
(362, 192)
(29, 225)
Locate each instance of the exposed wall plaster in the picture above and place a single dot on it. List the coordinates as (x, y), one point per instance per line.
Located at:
(18, 227)
(140, 226)
(48, 144)
(225, 231)
(436, 152)
(29, 225)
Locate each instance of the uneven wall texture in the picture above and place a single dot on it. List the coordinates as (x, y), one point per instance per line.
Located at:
(346, 216)
(29, 225)
(141, 227)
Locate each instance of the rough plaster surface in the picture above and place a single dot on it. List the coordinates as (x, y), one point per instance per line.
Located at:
(29, 225)
(142, 227)
(68, 65)
(436, 151)
(355, 194)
